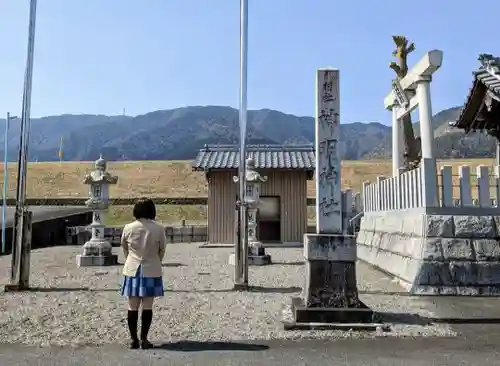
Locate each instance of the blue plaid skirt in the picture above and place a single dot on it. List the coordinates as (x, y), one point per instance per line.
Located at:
(140, 286)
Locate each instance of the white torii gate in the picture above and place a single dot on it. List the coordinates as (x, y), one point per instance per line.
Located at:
(406, 95)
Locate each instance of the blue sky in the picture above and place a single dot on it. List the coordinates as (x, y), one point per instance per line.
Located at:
(100, 56)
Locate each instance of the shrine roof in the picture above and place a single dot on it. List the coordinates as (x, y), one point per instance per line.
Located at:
(287, 157)
(481, 109)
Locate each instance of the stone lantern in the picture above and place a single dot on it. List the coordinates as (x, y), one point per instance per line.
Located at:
(256, 254)
(98, 251)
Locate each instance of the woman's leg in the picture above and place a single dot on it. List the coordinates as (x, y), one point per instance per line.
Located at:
(132, 316)
(146, 318)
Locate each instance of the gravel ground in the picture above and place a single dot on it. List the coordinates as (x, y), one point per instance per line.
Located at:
(82, 306)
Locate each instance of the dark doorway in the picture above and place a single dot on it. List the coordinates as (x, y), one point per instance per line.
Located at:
(269, 219)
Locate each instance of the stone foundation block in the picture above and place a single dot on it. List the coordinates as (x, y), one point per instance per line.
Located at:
(486, 249)
(330, 247)
(438, 226)
(330, 271)
(474, 227)
(452, 255)
(95, 260)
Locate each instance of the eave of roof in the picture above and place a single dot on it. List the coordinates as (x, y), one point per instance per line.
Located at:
(283, 157)
(473, 115)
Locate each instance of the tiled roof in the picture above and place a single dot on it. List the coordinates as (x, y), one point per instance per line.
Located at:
(297, 157)
(486, 78)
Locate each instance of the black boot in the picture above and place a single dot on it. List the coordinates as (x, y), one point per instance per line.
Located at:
(146, 318)
(132, 317)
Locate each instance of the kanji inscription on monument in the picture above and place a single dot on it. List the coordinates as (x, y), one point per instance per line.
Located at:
(328, 194)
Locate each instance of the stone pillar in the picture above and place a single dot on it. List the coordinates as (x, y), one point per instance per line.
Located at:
(98, 251)
(330, 254)
(425, 113)
(397, 142)
(255, 245)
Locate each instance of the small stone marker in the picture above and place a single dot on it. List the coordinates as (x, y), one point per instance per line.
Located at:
(330, 294)
(98, 251)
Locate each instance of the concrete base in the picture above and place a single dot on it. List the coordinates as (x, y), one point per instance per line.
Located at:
(355, 319)
(253, 260)
(434, 254)
(330, 297)
(96, 260)
(337, 326)
(305, 314)
(330, 271)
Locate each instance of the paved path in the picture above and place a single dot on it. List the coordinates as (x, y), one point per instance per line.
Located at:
(387, 352)
(42, 213)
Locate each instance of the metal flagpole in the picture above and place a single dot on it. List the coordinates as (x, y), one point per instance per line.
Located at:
(5, 178)
(61, 150)
(20, 249)
(241, 252)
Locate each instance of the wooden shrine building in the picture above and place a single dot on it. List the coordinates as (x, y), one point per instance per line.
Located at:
(282, 215)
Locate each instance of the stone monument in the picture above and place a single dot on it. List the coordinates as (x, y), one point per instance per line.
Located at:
(330, 294)
(98, 251)
(256, 251)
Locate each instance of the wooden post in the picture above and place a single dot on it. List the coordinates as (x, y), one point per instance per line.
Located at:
(21, 252)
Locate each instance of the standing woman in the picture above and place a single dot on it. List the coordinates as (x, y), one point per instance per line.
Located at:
(143, 243)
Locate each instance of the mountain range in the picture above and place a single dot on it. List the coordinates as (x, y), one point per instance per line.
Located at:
(179, 133)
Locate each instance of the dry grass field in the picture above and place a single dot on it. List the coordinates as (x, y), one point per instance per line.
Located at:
(170, 179)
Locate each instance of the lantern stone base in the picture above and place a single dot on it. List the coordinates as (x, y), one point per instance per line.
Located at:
(97, 252)
(330, 294)
(253, 260)
(96, 260)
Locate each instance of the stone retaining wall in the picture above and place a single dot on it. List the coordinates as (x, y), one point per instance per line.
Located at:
(434, 254)
(78, 235)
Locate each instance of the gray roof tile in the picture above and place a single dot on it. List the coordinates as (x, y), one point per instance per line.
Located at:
(484, 80)
(300, 157)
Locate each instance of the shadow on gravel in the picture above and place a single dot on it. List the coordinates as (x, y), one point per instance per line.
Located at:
(416, 319)
(385, 293)
(173, 265)
(186, 346)
(298, 263)
(270, 290)
(276, 290)
(57, 289)
(280, 290)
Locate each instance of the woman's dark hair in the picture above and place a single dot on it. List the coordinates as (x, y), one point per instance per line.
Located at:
(144, 208)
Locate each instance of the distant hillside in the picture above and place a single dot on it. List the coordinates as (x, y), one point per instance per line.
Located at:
(178, 134)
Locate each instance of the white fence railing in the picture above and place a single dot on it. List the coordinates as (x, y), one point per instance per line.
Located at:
(425, 187)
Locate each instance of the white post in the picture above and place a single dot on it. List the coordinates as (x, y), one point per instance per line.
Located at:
(446, 186)
(397, 147)
(483, 186)
(465, 188)
(425, 114)
(429, 183)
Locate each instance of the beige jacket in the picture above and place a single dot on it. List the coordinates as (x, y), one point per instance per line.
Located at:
(143, 243)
